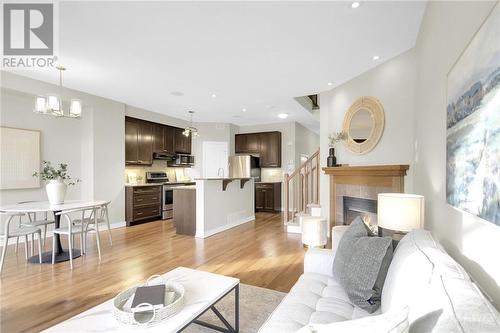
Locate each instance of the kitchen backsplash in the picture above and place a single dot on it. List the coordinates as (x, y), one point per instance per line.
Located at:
(139, 172)
(271, 175)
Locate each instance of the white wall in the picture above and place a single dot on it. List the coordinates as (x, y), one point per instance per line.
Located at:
(135, 112)
(393, 83)
(17, 111)
(93, 146)
(306, 142)
(446, 30)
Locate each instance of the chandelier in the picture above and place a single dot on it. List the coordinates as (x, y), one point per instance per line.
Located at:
(51, 104)
(190, 130)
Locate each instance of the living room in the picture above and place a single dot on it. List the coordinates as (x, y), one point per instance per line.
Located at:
(271, 161)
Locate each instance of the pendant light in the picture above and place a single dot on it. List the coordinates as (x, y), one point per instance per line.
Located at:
(52, 103)
(190, 130)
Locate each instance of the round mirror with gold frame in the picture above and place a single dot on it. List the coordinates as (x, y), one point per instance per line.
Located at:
(364, 124)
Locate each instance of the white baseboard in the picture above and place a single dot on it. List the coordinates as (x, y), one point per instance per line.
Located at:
(225, 227)
(50, 234)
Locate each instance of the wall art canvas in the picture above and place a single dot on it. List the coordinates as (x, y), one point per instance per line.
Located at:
(473, 125)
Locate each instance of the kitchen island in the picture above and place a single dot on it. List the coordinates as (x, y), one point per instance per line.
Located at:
(218, 204)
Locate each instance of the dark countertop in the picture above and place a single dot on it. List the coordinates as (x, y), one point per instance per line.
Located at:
(160, 184)
(268, 182)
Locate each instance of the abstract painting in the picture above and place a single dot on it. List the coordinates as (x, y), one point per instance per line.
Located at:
(473, 125)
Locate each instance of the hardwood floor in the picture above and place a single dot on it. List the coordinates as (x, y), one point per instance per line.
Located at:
(34, 297)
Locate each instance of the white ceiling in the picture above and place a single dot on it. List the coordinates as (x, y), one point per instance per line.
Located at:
(253, 55)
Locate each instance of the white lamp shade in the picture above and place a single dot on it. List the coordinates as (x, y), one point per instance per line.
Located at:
(400, 211)
(75, 108)
(54, 104)
(314, 231)
(40, 106)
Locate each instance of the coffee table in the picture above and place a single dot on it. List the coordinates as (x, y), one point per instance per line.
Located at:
(202, 291)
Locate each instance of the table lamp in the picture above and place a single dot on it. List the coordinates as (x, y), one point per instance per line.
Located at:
(400, 212)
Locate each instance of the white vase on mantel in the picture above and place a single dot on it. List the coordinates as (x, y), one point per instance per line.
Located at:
(56, 191)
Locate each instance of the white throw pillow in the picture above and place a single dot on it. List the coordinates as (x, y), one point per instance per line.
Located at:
(389, 322)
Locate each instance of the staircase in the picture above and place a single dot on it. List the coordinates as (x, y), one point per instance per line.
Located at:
(302, 193)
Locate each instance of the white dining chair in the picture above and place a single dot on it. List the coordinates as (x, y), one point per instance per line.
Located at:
(102, 218)
(35, 220)
(16, 233)
(82, 229)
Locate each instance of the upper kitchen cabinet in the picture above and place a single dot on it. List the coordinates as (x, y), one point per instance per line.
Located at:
(131, 142)
(267, 145)
(182, 143)
(247, 143)
(138, 142)
(163, 139)
(169, 139)
(270, 147)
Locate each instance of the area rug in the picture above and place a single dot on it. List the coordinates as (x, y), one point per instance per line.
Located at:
(256, 305)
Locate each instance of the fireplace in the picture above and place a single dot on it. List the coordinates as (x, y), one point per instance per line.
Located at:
(365, 208)
(364, 182)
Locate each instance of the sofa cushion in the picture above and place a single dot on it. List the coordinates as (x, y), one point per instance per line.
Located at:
(455, 306)
(357, 265)
(314, 299)
(438, 292)
(390, 322)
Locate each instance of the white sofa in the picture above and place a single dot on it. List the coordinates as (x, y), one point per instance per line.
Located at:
(425, 291)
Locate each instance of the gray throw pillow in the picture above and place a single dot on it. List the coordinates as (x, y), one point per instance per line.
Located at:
(361, 264)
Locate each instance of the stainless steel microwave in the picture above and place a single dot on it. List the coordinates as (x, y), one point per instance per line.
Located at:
(184, 160)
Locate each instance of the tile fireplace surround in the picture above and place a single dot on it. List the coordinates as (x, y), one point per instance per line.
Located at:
(364, 182)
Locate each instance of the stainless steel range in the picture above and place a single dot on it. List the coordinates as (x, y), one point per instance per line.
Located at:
(161, 177)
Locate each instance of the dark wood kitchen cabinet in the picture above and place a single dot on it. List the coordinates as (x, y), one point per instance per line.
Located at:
(142, 203)
(138, 142)
(143, 138)
(270, 147)
(145, 143)
(131, 143)
(247, 143)
(268, 197)
(266, 144)
(163, 139)
(169, 139)
(182, 142)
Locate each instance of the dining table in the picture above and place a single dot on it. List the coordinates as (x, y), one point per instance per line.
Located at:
(45, 206)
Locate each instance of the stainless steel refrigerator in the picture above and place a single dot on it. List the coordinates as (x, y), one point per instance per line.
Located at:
(244, 166)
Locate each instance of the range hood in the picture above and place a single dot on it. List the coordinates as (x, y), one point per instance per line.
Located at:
(163, 156)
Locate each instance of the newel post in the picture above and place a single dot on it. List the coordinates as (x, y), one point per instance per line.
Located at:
(286, 215)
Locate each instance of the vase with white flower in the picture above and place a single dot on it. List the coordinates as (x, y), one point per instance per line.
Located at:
(333, 139)
(57, 179)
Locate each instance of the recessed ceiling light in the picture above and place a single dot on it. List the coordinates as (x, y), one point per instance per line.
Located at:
(214, 95)
(244, 110)
(330, 83)
(282, 115)
(177, 93)
(355, 4)
(376, 58)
